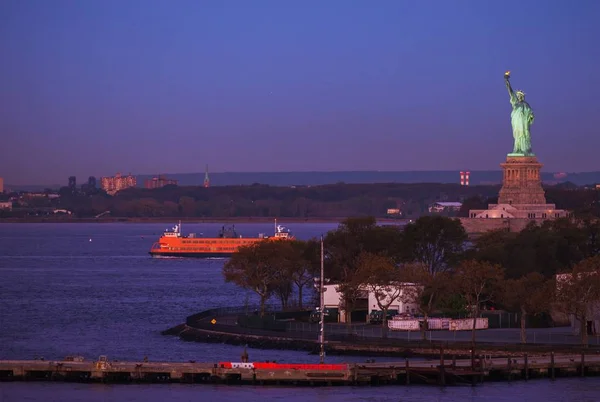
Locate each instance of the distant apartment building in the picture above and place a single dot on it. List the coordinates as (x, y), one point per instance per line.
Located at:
(117, 183)
(158, 182)
(6, 205)
(1, 185)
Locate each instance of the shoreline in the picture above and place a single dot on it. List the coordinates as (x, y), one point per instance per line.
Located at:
(191, 220)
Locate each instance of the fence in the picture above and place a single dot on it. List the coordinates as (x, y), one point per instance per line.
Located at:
(226, 320)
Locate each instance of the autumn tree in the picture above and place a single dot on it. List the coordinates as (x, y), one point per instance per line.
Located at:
(529, 295)
(435, 241)
(578, 293)
(478, 282)
(427, 290)
(380, 277)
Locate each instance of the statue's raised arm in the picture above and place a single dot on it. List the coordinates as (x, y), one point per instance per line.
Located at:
(513, 97)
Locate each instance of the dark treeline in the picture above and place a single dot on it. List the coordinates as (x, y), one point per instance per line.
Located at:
(327, 201)
(506, 271)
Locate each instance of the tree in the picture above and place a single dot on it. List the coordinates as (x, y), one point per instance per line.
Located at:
(475, 202)
(186, 206)
(570, 241)
(591, 228)
(305, 264)
(427, 291)
(547, 249)
(258, 268)
(379, 275)
(527, 295)
(343, 247)
(492, 246)
(283, 284)
(435, 241)
(478, 282)
(578, 293)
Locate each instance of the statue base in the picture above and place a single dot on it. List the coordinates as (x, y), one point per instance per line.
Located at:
(519, 154)
(521, 199)
(521, 182)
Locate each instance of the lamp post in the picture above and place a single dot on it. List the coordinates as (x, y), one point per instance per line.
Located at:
(322, 302)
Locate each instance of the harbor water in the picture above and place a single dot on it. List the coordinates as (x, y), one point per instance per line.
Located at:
(92, 289)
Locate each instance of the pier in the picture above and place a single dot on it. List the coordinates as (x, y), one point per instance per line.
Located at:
(447, 370)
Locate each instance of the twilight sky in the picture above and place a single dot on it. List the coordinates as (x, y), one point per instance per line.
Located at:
(99, 86)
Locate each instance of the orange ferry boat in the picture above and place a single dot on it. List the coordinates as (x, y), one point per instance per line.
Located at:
(173, 244)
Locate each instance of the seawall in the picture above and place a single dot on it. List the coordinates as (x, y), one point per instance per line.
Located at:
(346, 345)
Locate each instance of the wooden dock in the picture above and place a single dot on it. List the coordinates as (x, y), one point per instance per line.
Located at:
(436, 372)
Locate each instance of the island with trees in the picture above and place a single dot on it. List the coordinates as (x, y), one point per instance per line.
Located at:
(499, 271)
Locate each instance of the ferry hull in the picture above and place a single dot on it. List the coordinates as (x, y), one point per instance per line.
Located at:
(175, 244)
(190, 255)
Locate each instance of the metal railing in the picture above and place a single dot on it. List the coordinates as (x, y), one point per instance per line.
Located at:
(225, 320)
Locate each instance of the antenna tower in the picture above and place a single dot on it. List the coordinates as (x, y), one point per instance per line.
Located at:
(206, 178)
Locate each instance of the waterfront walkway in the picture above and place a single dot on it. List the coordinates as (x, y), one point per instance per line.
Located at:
(439, 371)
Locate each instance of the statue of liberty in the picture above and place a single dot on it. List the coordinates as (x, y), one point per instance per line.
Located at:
(521, 119)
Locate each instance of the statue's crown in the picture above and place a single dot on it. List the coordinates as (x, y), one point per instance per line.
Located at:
(520, 92)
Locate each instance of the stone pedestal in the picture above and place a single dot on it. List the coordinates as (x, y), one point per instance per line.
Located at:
(521, 198)
(521, 183)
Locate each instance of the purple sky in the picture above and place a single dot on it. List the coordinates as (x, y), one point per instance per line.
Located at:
(99, 86)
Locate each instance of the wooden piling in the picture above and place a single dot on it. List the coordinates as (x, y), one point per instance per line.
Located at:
(442, 368)
(582, 364)
(407, 372)
(552, 373)
(526, 367)
(481, 369)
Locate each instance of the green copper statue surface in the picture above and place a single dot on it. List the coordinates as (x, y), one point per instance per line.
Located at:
(521, 119)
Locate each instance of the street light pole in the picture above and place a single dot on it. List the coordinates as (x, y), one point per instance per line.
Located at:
(322, 291)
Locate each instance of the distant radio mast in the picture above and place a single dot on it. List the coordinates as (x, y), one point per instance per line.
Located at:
(206, 178)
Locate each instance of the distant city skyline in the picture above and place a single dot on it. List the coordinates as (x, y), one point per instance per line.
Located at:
(99, 87)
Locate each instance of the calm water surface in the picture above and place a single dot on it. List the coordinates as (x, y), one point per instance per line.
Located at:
(92, 289)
